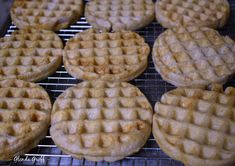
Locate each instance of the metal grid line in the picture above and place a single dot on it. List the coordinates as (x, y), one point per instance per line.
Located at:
(150, 84)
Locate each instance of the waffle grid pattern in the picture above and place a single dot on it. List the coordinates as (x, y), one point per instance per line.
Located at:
(24, 109)
(119, 14)
(194, 56)
(28, 52)
(101, 119)
(47, 14)
(108, 56)
(211, 13)
(188, 119)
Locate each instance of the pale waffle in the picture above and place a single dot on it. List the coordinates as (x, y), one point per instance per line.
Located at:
(101, 120)
(197, 126)
(46, 14)
(118, 56)
(24, 117)
(208, 13)
(30, 54)
(194, 57)
(119, 14)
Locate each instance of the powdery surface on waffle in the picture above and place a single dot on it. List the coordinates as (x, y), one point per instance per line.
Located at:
(119, 14)
(197, 126)
(118, 56)
(101, 120)
(30, 54)
(193, 56)
(209, 13)
(24, 117)
(46, 14)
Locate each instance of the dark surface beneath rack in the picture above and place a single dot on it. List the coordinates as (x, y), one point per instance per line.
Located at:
(150, 83)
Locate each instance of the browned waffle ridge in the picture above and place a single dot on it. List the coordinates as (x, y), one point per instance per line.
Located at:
(117, 56)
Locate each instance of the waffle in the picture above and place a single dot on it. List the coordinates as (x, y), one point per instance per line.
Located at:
(46, 14)
(101, 120)
(197, 126)
(30, 54)
(194, 57)
(118, 56)
(205, 13)
(24, 117)
(119, 14)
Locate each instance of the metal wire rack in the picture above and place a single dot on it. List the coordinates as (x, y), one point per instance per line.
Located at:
(150, 83)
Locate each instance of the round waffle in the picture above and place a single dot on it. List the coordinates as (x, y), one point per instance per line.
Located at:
(118, 56)
(30, 54)
(46, 14)
(197, 126)
(119, 14)
(208, 13)
(101, 120)
(24, 117)
(194, 57)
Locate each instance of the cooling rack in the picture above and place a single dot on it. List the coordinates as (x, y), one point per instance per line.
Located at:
(150, 83)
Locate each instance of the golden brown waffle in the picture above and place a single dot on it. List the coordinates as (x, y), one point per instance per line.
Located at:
(119, 14)
(46, 14)
(30, 54)
(101, 120)
(24, 117)
(208, 13)
(194, 57)
(197, 126)
(118, 56)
